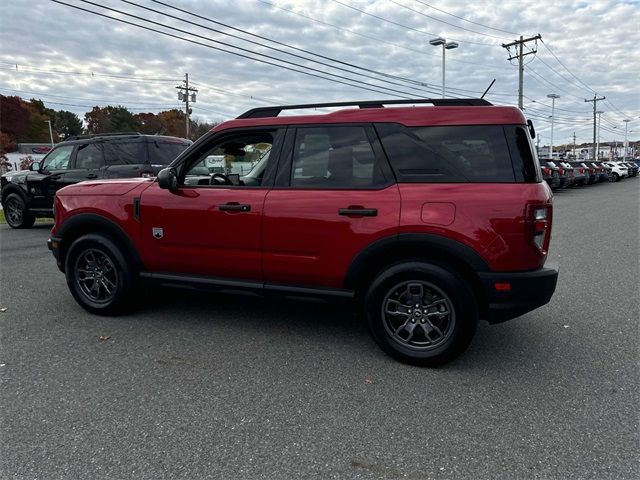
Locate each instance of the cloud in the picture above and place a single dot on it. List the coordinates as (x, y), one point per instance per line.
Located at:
(595, 40)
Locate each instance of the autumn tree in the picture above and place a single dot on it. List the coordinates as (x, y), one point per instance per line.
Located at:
(14, 117)
(97, 120)
(150, 124)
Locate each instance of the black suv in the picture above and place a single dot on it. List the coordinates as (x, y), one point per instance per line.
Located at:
(29, 194)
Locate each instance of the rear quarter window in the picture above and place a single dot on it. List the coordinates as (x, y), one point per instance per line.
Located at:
(163, 152)
(457, 154)
(127, 152)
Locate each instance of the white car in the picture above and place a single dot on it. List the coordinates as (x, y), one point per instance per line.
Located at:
(618, 170)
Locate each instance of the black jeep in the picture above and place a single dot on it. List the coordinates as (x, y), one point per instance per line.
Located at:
(29, 193)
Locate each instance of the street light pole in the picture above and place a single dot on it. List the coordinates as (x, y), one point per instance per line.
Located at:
(626, 142)
(50, 132)
(553, 97)
(445, 46)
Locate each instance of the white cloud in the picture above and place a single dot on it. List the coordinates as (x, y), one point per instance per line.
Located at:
(596, 40)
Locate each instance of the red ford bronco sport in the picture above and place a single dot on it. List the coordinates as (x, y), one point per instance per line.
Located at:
(429, 217)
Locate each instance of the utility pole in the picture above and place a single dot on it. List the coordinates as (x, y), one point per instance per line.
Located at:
(520, 55)
(574, 145)
(51, 132)
(599, 112)
(595, 101)
(184, 94)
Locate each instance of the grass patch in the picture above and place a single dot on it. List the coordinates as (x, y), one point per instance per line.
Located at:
(38, 220)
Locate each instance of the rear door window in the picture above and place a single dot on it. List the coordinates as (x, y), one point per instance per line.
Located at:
(163, 152)
(128, 152)
(335, 157)
(89, 157)
(448, 153)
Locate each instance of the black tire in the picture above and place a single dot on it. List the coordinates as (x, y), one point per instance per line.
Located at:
(616, 177)
(442, 291)
(16, 212)
(99, 276)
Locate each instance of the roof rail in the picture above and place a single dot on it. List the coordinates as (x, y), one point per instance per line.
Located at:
(96, 135)
(262, 112)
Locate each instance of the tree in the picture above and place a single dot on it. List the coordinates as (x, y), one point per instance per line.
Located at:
(97, 120)
(67, 124)
(150, 124)
(7, 144)
(173, 121)
(14, 117)
(121, 120)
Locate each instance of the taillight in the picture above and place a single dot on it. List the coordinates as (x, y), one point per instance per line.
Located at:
(546, 171)
(562, 171)
(582, 170)
(540, 220)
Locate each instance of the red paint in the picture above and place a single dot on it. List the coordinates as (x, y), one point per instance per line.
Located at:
(306, 242)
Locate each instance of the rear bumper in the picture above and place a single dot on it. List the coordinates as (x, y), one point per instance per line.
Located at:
(511, 294)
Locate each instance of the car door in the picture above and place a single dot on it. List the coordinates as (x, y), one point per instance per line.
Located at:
(206, 228)
(334, 195)
(87, 164)
(51, 177)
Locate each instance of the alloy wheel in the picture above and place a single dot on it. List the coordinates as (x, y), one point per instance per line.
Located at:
(96, 276)
(418, 315)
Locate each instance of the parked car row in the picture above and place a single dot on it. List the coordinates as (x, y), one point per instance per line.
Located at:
(568, 174)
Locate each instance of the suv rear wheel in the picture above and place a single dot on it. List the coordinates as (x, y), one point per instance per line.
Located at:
(98, 275)
(420, 313)
(16, 212)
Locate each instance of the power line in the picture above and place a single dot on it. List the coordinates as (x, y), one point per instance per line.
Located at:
(407, 27)
(235, 46)
(79, 98)
(253, 42)
(565, 67)
(442, 21)
(260, 60)
(90, 73)
(469, 21)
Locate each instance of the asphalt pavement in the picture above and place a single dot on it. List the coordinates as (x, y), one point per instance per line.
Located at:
(232, 387)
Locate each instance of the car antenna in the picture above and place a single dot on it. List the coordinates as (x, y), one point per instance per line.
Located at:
(490, 85)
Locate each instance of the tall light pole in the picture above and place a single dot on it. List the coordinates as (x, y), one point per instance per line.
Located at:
(50, 131)
(599, 112)
(553, 97)
(445, 46)
(626, 142)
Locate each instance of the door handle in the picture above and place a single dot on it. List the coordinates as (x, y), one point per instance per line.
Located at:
(54, 177)
(235, 207)
(92, 175)
(358, 211)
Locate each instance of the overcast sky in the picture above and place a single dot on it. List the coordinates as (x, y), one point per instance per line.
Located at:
(73, 59)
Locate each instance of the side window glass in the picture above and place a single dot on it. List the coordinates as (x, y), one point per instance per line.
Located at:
(58, 159)
(89, 157)
(124, 153)
(448, 154)
(334, 157)
(241, 159)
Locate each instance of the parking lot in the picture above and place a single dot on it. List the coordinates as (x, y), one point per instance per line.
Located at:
(237, 387)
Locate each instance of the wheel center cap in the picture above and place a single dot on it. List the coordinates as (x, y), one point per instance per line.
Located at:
(417, 313)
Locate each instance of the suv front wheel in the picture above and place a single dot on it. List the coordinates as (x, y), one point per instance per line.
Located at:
(99, 276)
(421, 313)
(16, 212)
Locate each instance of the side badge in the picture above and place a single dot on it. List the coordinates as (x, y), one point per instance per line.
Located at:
(158, 233)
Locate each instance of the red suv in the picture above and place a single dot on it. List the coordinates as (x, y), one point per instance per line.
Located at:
(429, 217)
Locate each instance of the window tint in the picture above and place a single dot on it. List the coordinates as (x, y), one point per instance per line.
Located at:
(448, 153)
(243, 158)
(89, 157)
(334, 157)
(525, 163)
(58, 159)
(163, 152)
(124, 152)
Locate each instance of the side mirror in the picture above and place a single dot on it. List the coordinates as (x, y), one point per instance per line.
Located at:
(34, 167)
(168, 179)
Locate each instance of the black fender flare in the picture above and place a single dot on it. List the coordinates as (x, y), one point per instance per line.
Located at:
(386, 251)
(82, 223)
